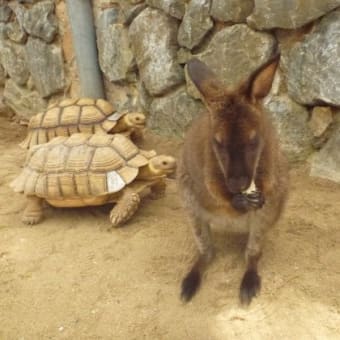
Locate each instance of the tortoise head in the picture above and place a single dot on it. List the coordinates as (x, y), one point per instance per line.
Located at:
(158, 166)
(135, 120)
(162, 165)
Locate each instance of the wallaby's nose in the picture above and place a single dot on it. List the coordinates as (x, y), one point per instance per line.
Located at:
(237, 184)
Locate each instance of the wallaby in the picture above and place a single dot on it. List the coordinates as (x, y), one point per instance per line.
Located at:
(228, 149)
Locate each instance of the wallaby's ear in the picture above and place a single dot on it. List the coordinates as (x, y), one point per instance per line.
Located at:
(262, 82)
(205, 80)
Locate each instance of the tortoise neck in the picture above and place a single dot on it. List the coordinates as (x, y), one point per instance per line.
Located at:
(122, 125)
(147, 172)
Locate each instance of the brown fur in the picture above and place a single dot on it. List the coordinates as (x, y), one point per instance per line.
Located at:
(224, 149)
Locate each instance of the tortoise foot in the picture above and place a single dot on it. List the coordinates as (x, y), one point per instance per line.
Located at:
(31, 219)
(125, 208)
(33, 213)
(158, 190)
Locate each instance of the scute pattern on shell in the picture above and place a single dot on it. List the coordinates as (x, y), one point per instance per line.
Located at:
(78, 166)
(86, 115)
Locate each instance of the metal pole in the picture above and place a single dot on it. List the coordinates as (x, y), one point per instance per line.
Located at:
(84, 41)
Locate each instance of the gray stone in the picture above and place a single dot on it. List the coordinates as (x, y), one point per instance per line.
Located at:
(144, 99)
(231, 10)
(5, 13)
(115, 56)
(5, 111)
(46, 65)
(290, 120)
(250, 50)
(15, 29)
(131, 12)
(175, 8)
(172, 114)
(289, 14)
(13, 60)
(155, 50)
(196, 23)
(326, 163)
(107, 18)
(2, 76)
(314, 64)
(23, 102)
(183, 55)
(3, 33)
(16, 33)
(40, 21)
(321, 119)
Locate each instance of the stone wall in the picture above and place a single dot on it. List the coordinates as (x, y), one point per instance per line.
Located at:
(143, 48)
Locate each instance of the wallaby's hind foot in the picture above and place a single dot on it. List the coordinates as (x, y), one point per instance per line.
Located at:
(250, 286)
(191, 283)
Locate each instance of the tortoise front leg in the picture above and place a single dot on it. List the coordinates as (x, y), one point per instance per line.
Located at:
(33, 212)
(125, 208)
(158, 189)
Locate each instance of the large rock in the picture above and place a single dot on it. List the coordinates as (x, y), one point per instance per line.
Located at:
(5, 13)
(321, 119)
(144, 98)
(290, 120)
(326, 163)
(130, 12)
(175, 8)
(3, 34)
(250, 50)
(314, 64)
(153, 35)
(107, 18)
(23, 102)
(115, 56)
(2, 75)
(15, 29)
(231, 10)
(170, 115)
(289, 14)
(196, 23)
(45, 63)
(14, 61)
(41, 22)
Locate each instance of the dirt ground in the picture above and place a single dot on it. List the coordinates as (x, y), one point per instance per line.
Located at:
(69, 278)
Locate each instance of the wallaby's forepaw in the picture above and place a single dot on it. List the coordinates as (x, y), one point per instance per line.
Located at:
(255, 199)
(240, 203)
(245, 202)
(250, 286)
(190, 285)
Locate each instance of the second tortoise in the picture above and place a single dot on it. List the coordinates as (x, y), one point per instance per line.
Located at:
(86, 115)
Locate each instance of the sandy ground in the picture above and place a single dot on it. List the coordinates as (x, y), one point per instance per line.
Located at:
(69, 278)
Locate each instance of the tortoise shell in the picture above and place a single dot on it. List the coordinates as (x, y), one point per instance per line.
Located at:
(86, 115)
(80, 166)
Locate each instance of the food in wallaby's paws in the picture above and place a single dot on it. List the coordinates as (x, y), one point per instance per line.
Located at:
(253, 196)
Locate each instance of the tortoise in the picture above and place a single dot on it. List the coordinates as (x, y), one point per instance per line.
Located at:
(85, 170)
(85, 115)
